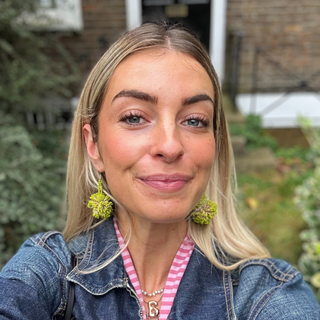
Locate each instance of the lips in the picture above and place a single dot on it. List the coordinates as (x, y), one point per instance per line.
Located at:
(164, 182)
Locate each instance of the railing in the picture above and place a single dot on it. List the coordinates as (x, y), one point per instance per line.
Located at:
(301, 84)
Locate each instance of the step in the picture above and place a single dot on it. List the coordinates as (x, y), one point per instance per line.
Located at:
(238, 145)
(255, 159)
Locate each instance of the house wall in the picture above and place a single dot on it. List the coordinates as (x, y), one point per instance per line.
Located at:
(288, 30)
(104, 21)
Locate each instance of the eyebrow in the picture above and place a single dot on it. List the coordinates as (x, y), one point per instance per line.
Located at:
(153, 99)
(196, 98)
(137, 95)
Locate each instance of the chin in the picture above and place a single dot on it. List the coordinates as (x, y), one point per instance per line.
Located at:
(167, 218)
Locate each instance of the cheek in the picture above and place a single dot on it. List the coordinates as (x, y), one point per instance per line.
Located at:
(204, 153)
(120, 152)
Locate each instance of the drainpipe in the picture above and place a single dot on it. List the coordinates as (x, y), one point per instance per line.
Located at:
(133, 14)
(218, 35)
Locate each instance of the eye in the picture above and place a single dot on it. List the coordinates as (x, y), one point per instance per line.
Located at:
(197, 122)
(132, 119)
(194, 122)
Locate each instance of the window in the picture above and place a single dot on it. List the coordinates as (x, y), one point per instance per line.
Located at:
(56, 15)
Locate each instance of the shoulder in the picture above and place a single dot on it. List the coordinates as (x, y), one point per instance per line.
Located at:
(42, 252)
(39, 268)
(273, 289)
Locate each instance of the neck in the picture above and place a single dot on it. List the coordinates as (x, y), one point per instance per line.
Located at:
(152, 247)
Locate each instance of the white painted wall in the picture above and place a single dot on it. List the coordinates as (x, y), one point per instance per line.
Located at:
(286, 114)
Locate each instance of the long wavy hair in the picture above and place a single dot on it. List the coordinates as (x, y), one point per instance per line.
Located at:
(226, 241)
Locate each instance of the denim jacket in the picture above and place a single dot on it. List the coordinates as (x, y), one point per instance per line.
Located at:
(35, 283)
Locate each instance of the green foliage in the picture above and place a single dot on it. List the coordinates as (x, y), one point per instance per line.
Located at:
(293, 154)
(31, 188)
(313, 136)
(34, 68)
(254, 133)
(307, 199)
(33, 65)
(265, 203)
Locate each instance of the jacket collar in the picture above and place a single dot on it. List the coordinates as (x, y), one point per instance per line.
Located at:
(93, 248)
(204, 289)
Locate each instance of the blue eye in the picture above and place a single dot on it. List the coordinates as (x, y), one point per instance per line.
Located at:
(193, 122)
(134, 119)
(197, 122)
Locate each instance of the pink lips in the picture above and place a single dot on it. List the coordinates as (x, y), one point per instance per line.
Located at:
(164, 182)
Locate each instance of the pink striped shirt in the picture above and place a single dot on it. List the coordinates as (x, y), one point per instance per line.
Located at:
(176, 272)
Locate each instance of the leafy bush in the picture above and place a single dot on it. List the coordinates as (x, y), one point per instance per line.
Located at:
(31, 188)
(33, 65)
(34, 68)
(307, 199)
(254, 133)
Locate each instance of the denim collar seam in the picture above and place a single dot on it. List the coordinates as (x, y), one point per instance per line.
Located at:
(235, 282)
(131, 292)
(87, 252)
(228, 294)
(47, 235)
(273, 269)
(121, 283)
(231, 296)
(62, 275)
(254, 313)
(37, 239)
(75, 276)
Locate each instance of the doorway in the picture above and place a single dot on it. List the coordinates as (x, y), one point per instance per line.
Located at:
(194, 14)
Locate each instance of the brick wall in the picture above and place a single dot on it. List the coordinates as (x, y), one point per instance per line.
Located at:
(104, 21)
(288, 30)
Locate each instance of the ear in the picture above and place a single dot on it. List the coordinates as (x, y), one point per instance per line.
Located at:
(92, 148)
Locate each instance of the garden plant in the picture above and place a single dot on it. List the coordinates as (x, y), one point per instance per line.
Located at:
(34, 68)
(307, 199)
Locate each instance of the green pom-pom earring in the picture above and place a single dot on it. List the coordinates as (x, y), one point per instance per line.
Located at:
(203, 211)
(100, 204)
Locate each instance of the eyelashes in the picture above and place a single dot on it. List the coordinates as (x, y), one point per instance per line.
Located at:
(135, 118)
(197, 121)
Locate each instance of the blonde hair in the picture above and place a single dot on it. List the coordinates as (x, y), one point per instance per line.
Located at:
(226, 242)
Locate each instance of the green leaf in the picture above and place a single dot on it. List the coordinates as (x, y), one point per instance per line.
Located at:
(6, 46)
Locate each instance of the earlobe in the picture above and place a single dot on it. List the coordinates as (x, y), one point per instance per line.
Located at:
(92, 148)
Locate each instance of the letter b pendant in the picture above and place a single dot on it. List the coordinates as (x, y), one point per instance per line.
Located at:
(153, 311)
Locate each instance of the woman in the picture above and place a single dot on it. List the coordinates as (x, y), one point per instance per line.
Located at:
(150, 135)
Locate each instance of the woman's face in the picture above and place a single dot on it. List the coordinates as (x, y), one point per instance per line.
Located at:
(156, 143)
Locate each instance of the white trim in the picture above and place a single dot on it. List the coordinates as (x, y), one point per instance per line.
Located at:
(133, 13)
(286, 114)
(218, 35)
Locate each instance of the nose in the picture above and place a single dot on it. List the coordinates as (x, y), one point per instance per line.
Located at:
(167, 142)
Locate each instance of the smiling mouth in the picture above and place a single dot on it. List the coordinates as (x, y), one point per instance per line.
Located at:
(166, 182)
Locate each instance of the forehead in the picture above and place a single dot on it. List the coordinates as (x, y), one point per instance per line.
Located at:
(154, 68)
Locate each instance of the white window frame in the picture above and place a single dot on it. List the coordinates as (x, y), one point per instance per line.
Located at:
(66, 16)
